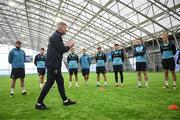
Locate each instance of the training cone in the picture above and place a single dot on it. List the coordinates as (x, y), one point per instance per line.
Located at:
(173, 107)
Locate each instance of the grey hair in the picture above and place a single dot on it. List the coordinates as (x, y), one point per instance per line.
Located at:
(165, 32)
(60, 24)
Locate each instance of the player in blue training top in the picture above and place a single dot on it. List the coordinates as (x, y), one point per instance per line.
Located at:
(39, 61)
(73, 60)
(168, 50)
(100, 66)
(17, 58)
(117, 56)
(140, 55)
(85, 62)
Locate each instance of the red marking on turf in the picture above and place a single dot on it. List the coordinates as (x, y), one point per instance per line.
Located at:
(173, 107)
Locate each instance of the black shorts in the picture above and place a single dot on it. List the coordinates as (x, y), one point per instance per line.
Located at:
(85, 72)
(117, 68)
(141, 66)
(100, 70)
(73, 71)
(17, 73)
(41, 71)
(168, 64)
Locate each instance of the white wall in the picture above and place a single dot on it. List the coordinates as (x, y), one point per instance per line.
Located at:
(5, 67)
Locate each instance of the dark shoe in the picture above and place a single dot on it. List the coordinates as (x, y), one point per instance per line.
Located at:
(11, 95)
(24, 93)
(69, 102)
(41, 106)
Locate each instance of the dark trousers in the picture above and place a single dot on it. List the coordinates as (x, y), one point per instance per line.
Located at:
(52, 75)
(116, 75)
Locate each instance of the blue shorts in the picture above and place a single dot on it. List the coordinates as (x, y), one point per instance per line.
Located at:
(17, 73)
(141, 66)
(85, 72)
(117, 68)
(73, 71)
(41, 71)
(168, 64)
(101, 70)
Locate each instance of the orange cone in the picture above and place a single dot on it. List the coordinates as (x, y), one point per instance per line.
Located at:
(173, 107)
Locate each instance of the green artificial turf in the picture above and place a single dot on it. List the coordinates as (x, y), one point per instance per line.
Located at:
(104, 103)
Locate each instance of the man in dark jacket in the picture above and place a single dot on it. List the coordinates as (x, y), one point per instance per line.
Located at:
(55, 51)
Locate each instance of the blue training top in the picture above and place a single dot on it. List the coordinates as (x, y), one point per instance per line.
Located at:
(117, 57)
(85, 61)
(39, 61)
(100, 59)
(168, 51)
(140, 53)
(72, 61)
(17, 58)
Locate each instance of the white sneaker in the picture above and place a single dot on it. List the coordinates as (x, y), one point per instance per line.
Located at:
(122, 84)
(70, 86)
(139, 86)
(147, 86)
(117, 85)
(165, 86)
(11, 95)
(174, 86)
(77, 85)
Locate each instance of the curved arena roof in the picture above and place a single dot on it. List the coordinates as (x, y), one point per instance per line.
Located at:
(91, 23)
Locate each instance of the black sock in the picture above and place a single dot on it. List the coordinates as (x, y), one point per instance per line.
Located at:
(121, 74)
(116, 76)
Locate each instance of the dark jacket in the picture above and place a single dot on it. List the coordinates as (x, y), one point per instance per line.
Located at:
(55, 51)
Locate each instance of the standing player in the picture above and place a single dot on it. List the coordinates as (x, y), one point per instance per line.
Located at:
(140, 54)
(73, 67)
(85, 62)
(39, 61)
(100, 66)
(168, 50)
(118, 59)
(17, 59)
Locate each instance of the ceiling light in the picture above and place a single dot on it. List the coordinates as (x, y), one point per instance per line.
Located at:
(57, 19)
(18, 24)
(12, 3)
(22, 35)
